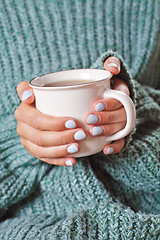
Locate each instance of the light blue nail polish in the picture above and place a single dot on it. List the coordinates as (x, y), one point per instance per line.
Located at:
(70, 124)
(110, 150)
(72, 148)
(26, 94)
(113, 65)
(69, 163)
(80, 135)
(92, 119)
(99, 107)
(97, 131)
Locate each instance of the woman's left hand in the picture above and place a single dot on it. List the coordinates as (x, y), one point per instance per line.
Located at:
(109, 115)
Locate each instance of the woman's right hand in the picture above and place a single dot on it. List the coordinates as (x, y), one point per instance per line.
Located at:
(51, 139)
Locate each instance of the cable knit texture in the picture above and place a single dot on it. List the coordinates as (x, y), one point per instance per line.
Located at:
(101, 197)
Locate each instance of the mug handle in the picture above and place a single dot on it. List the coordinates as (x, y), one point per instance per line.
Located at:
(130, 112)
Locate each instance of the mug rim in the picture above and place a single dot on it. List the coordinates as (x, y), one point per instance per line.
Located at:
(70, 86)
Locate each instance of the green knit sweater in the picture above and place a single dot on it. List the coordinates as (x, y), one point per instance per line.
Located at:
(101, 197)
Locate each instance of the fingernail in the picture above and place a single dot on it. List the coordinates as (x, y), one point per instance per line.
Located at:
(92, 119)
(99, 107)
(70, 124)
(69, 163)
(26, 94)
(110, 150)
(72, 148)
(97, 131)
(80, 135)
(114, 65)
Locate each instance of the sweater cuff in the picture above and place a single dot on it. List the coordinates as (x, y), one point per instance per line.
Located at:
(125, 76)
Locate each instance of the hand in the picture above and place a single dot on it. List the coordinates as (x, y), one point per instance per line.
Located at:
(48, 138)
(109, 115)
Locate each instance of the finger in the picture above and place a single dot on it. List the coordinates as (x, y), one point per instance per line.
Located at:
(105, 130)
(68, 161)
(111, 104)
(112, 64)
(49, 138)
(50, 152)
(25, 92)
(114, 147)
(106, 117)
(31, 116)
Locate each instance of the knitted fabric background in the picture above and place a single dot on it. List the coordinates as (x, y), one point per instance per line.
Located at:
(101, 197)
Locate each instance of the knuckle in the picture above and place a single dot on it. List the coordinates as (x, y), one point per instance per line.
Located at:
(36, 152)
(107, 118)
(36, 122)
(112, 117)
(39, 139)
(57, 123)
(61, 153)
(54, 124)
(60, 139)
(108, 130)
(64, 138)
(31, 150)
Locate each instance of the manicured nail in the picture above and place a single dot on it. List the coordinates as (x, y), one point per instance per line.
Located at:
(99, 107)
(110, 150)
(70, 124)
(97, 131)
(114, 65)
(92, 119)
(69, 163)
(26, 94)
(72, 148)
(80, 135)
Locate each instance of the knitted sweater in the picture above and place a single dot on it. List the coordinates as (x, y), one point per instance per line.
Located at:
(101, 197)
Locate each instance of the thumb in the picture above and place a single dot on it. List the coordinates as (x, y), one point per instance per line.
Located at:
(25, 92)
(112, 64)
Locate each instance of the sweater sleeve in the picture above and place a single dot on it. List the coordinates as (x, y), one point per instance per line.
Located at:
(19, 171)
(135, 171)
(141, 157)
(107, 220)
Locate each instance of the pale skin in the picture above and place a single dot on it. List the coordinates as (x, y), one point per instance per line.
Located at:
(47, 138)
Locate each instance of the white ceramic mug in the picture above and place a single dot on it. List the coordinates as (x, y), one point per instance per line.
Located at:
(77, 101)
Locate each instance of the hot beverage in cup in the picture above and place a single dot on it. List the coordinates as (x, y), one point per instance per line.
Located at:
(66, 83)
